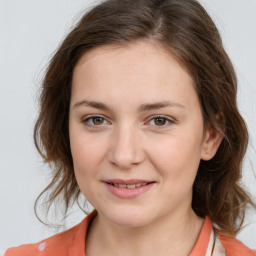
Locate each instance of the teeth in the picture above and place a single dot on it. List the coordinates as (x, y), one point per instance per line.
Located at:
(129, 186)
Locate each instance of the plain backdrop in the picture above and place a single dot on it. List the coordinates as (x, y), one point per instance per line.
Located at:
(30, 31)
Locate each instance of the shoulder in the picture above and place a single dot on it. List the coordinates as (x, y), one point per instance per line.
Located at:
(234, 247)
(48, 245)
(69, 242)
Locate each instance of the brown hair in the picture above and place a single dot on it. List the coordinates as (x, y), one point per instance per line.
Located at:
(185, 29)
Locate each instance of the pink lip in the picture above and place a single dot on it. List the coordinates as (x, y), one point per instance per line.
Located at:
(127, 182)
(128, 193)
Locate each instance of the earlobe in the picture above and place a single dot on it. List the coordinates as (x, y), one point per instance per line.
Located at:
(211, 143)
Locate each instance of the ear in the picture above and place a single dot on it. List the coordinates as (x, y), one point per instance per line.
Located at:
(211, 142)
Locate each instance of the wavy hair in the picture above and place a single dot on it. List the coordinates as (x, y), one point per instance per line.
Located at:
(185, 29)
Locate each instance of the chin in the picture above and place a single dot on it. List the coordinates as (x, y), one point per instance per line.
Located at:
(129, 218)
(130, 222)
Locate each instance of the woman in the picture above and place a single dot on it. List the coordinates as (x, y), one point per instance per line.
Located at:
(139, 114)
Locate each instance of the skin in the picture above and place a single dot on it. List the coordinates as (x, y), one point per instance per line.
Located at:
(127, 144)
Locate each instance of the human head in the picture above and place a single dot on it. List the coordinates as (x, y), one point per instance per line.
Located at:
(185, 29)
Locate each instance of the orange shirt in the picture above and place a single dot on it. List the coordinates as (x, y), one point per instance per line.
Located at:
(72, 243)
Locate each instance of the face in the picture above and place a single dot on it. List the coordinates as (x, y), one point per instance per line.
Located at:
(136, 133)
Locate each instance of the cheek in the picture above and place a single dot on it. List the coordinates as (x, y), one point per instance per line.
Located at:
(177, 157)
(87, 152)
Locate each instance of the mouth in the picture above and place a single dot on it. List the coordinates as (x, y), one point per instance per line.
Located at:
(129, 186)
(127, 189)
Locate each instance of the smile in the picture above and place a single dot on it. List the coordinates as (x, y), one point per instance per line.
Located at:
(128, 189)
(129, 186)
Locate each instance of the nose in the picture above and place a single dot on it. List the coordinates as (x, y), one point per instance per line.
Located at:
(126, 150)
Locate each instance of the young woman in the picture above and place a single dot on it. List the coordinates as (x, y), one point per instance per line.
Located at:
(138, 113)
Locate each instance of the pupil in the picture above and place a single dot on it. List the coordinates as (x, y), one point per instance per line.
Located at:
(97, 120)
(160, 121)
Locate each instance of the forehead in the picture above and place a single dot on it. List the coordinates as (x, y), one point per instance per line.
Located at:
(141, 69)
(129, 53)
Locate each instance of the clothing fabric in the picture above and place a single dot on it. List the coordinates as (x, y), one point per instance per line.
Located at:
(72, 243)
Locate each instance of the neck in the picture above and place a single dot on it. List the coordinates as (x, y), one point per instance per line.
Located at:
(170, 235)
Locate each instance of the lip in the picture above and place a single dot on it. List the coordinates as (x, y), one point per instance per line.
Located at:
(128, 182)
(128, 193)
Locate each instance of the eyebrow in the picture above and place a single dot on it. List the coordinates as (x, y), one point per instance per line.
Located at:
(142, 108)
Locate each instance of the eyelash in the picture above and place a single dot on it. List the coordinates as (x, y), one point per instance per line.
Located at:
(171, 121)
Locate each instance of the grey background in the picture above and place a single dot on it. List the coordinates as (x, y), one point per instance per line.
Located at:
(29, 33)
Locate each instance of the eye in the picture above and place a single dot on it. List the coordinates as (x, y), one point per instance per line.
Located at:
(161, 121)
(94, 121)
